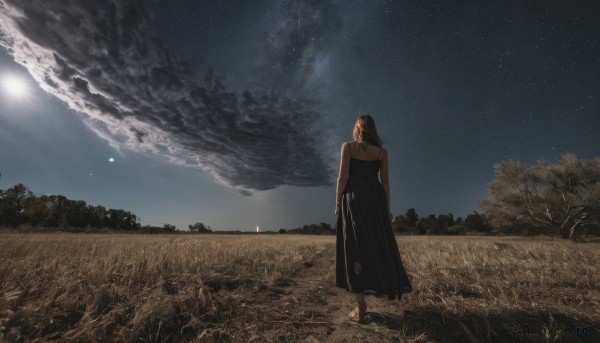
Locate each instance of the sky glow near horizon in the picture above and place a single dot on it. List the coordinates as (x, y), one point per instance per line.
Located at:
(128, 116)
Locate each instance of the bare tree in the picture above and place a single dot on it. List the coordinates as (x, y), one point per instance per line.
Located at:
(559, 198)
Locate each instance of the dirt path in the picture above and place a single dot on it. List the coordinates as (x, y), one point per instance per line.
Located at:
(309, 308)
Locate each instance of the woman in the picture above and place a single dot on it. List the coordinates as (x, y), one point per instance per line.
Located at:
(367, 257)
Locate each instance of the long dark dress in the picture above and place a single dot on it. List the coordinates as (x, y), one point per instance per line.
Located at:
(365, 235)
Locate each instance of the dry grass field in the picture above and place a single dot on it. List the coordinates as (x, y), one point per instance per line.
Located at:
(279, 288)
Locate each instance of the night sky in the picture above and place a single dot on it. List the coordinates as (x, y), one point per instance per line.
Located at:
(232, 113)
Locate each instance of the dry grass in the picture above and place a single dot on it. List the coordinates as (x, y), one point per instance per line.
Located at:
(475, 288)
(129, 287)
(264, 288)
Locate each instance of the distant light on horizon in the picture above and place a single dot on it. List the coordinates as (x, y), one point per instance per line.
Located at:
(257, 228)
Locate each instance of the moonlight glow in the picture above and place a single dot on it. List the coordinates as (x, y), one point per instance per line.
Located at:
(14, 86)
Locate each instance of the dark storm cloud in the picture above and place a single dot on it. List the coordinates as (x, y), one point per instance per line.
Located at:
(100, 58)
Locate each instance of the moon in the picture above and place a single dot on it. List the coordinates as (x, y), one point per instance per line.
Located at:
(111, 160)
(14, 86)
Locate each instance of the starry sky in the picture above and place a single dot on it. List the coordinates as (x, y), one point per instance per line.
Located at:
(232, 113)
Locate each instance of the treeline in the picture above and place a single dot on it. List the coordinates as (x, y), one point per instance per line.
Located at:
(20, 207)
(444, 224)
(553, 199)
(312, 229)
(561, 199)
(411, 224)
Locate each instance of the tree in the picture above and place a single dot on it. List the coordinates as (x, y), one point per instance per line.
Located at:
(313, 229)
(562, 198)
(474, 223)
(412, 217)
(400, 224)
(428, 225)
(325, 228)
(18, 205)
(199, 228)
(169, 228)
(13, 203)
(445, 221)
(120, 219)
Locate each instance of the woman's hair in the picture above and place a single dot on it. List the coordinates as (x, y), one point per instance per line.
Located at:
(365, 131)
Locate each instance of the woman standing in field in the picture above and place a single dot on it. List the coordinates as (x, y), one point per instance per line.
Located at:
(367, 257)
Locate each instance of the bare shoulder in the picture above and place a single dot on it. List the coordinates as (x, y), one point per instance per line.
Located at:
(384, 153)
(345, 147)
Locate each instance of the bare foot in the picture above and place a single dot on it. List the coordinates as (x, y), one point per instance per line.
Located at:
(362, 304)
(357, 315)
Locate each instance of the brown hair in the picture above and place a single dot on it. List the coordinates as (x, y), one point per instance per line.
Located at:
(365, 131)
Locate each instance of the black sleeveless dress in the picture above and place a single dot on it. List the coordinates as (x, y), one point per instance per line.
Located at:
(365, 235)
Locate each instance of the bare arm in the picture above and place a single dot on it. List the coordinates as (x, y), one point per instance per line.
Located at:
(383, 175)
(343, 175)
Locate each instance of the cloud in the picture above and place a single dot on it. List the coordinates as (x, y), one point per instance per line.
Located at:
(101, 58)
